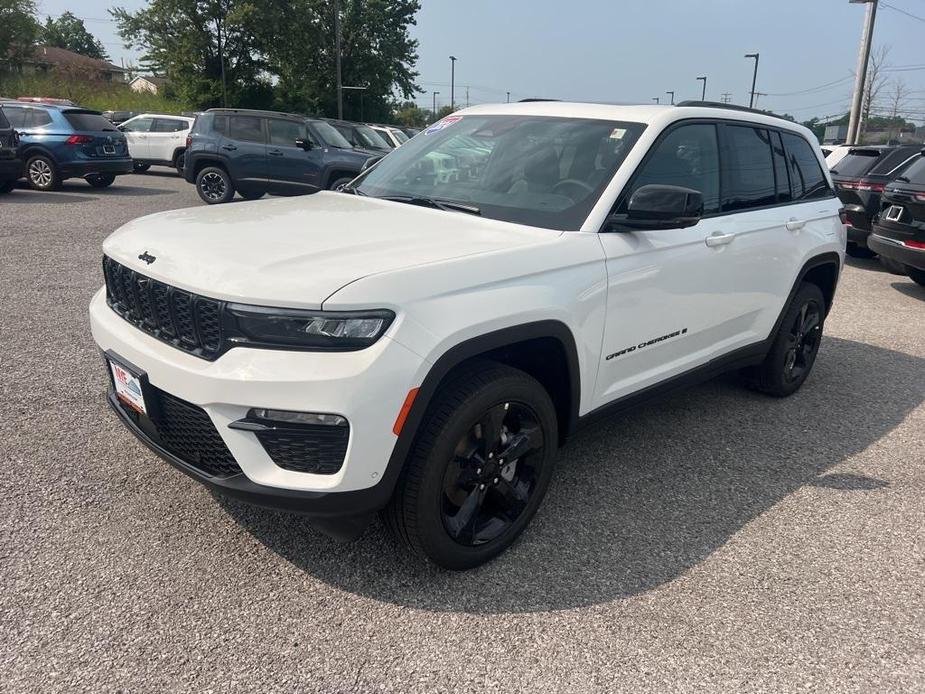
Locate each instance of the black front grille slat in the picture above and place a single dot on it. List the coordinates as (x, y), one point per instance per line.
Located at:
(187, 321)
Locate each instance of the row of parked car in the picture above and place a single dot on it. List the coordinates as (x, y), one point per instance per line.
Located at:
(883, 191)
(48, 141)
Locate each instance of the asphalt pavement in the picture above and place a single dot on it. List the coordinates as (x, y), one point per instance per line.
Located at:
(717, 540)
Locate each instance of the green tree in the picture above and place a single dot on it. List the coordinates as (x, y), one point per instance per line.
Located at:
(18, 30)
(68, 31)
(192, 40)
(377, 52)
(410, 114)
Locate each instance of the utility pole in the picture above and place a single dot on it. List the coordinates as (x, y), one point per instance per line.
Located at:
(655, 99)
(751, 101)
(221, 59)
(452, 82)
(726, 97)
(340, 86)
(509, 97)
(435, 106)
(703, 96)
(757, 94)
(672, 97)
(860, 79)
(467, 96)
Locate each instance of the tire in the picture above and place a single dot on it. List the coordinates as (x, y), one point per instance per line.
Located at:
(214, 185)
(455, 503)
(916, 275)
(42, 174)
(338, 182)
(793, 352)
(141, 168)
(179, 162)
(894, 266)
(856, 251)
(7, 186)
(101, 180)
(252, 195)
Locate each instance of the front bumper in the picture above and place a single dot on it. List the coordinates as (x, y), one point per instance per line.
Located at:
(366, 387)
(895, 250)
(79, 169)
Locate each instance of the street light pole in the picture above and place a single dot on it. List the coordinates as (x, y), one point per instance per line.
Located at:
(453, 82)
(655, 99)
(509, 97)
(703, 95)
(854, 120)
(435, 106)
(672, 97)
(751, 100)
(340, 86)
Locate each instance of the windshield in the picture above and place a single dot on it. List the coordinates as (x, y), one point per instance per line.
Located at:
(857, 163)
(370, 138)
(535, 170)
(398, 135)
(329, 135)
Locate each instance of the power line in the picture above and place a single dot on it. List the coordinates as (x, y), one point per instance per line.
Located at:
(901, 11)
(821, 87)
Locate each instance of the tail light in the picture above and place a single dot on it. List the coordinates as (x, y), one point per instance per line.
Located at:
(843, 215)
(867, 186)
(918, 245)
(78, 140)
(920, 197)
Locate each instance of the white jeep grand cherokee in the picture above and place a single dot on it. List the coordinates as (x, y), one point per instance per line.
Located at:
(423, 346)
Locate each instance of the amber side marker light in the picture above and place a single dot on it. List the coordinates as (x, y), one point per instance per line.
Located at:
(405, 409)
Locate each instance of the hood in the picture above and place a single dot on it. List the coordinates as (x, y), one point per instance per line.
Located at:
(296, 252)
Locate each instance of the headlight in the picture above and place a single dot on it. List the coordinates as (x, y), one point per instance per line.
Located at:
(325, 331)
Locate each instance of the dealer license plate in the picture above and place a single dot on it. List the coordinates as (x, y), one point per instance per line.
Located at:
(128, 387)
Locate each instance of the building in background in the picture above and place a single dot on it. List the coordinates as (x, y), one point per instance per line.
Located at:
(148, 83)
(60, 61)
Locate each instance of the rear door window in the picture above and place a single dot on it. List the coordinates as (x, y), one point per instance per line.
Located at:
(246, 128)
(139, 125)
(38, 118)
(168, 125)
(807, 180)
(747, 168)
(16, 116)
(88, 120)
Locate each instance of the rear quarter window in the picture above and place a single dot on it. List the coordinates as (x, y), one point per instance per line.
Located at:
(88, 120)
(807, 181)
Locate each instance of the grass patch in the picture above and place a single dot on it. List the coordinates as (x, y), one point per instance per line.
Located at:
(98, 95)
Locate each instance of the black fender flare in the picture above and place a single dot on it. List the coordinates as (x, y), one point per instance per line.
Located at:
(465, 351)
(828, 258)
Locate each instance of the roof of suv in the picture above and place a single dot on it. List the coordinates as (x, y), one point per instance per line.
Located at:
(256, 112)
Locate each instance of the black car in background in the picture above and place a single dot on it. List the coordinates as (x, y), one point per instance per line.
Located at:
(258, 152)
(362, 136)
(899, 230)
(10, 163)
(860, 178)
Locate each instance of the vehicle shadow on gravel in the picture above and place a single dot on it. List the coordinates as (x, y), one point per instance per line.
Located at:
(909, 288)
(639, 499)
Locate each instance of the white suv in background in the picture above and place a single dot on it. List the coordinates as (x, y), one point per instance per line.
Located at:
(421, 345)
(393, 136)
(157, 139)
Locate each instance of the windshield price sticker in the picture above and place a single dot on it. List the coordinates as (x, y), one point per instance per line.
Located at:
(446, 122)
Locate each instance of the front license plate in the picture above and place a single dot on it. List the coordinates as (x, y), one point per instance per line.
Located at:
(109, 149)
(128, 387)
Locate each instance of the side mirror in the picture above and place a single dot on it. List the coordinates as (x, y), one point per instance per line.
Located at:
(660, 207)
(303, 143)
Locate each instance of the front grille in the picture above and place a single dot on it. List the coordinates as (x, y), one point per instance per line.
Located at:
(187, 432)
(316, 449)
(187, 321)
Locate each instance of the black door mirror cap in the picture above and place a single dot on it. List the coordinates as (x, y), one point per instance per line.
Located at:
(657, 206)
(303, 143)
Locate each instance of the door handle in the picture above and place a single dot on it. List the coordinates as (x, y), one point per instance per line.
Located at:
(794, 224)
(718, 239)
(229, 148)
(275, 152)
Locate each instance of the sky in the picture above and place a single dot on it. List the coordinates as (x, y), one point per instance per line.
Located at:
(621, 51)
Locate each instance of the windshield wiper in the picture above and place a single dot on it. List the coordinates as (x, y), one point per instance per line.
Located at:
(436, 203)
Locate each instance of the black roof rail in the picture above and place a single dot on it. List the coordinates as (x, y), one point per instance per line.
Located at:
(532, 99)
(731, 107)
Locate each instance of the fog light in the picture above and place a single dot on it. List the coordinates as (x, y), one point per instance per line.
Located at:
(330, 420)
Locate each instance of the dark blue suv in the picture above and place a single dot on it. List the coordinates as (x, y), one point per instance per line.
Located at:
(58, 142)
(259, 152)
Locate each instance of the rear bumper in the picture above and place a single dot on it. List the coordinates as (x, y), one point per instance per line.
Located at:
(895, 250)
(858, 236)
(10, 169)
(117, 167)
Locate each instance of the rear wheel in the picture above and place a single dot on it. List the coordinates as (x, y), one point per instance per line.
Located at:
(916, 275)
(794, 350)
(894, 266)
(101, 180)
(479, 470)
(7, 186)
(42, 173)
(856, 251)
(214, 185)
(180, 162)
(141, 168)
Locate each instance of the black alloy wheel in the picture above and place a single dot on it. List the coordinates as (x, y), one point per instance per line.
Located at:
(803, 342)
(489, 482)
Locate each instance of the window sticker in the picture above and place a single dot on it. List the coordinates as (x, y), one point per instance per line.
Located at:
(440, 125)
(617, 133)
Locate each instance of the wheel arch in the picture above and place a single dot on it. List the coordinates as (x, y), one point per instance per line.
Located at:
(200, 162)
(337, 172)
(823, 270)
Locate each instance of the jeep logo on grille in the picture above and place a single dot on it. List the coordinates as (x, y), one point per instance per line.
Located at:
(147, 257)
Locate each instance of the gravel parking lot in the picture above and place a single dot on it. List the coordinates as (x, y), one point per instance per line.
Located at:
(716, 540)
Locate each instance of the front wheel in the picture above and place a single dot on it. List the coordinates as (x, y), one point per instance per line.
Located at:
(214, 185)
(101, 180)
(793, 352)
(916, 275)
(479, 469)
(337, 183)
